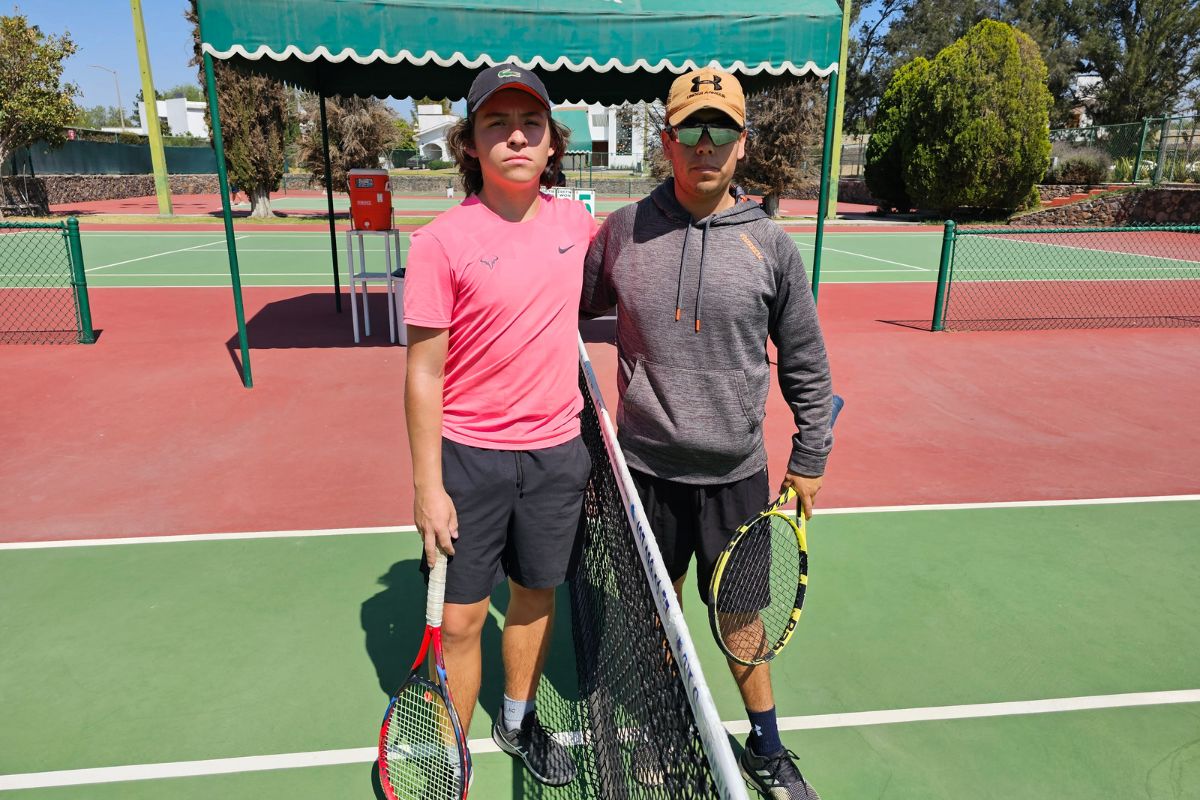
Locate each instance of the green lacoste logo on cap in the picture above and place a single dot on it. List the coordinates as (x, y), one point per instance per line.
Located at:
(508, 73)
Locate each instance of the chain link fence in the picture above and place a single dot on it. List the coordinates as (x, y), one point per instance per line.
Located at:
(1038, 278)
(43, 290)
(1158, 150)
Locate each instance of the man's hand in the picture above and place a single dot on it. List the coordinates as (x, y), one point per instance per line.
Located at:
(437, 521)
(806, 490)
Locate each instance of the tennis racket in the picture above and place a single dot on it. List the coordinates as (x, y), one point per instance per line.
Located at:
(422, 751)
(759, 580)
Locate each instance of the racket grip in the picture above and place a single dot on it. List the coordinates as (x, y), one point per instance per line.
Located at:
(437, 592)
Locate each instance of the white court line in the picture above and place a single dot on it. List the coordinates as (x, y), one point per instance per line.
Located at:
(871, 258)
(1016, 240)
(158, 255)
(365, 755)
(401, 528)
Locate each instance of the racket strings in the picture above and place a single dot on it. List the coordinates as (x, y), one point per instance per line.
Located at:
(759, 588)
(420, 753)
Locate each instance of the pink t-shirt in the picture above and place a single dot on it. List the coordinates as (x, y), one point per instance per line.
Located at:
(509, 294)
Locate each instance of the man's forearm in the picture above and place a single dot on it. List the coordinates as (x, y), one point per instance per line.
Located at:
(423, 410)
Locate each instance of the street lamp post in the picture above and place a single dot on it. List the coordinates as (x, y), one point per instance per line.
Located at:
(120, 105)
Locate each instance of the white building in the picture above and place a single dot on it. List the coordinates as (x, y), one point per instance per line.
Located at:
(181, 116)
(432, 128)
(607, 137)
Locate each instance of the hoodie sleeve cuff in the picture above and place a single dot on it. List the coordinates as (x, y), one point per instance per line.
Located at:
(807, 464)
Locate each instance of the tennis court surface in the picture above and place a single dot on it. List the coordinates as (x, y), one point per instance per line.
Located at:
(1035, 639)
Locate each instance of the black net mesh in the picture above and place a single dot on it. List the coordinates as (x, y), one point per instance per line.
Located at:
(628, 718)
(37, 298)
(1074, 278)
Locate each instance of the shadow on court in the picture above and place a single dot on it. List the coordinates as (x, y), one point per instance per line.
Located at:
(312, 321)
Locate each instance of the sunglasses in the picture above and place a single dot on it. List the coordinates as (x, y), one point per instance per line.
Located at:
(689, 135)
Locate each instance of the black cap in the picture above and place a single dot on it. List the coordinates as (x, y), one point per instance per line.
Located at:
(504, 76)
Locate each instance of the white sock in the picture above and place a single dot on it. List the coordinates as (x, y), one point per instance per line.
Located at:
(515, 712)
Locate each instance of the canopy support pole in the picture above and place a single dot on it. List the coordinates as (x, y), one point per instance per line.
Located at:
(333, 248)
(235, 275)
(826, 164)
(840, 114)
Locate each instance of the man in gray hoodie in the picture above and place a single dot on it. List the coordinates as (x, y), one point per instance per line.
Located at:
(700, 282)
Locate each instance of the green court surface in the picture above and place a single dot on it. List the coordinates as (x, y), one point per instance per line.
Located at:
(302, 258)
(158, 653)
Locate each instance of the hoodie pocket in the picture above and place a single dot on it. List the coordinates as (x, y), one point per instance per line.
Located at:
(703, 412)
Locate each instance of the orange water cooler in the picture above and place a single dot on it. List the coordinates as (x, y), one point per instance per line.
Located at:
(370, 200)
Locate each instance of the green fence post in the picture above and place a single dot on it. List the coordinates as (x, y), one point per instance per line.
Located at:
(823, 194)
(1137, 161)
(1162, 149)
(79, 283)
(235, 274)
(943, 282)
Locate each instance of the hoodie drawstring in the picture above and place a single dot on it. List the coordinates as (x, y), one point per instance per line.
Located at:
(700, 277)
(679, 280)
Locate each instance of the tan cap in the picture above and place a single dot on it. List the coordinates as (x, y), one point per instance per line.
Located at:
(706, 88)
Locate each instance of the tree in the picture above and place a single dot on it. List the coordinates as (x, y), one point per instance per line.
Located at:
(1056, 26)
(884, 167)
(98, 117)
(865, 76)
(1147, 54)
(406, 135)
(978, 133)
(188, 91)
(34, 102)
(361, 129)
(254, 117)
(785, 125)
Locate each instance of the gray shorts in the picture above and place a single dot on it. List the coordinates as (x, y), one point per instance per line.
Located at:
(519, 515)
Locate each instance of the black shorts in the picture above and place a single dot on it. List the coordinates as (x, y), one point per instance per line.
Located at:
(519, 515)
(692, 518)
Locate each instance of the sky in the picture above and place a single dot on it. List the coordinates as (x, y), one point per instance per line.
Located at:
(103, 34)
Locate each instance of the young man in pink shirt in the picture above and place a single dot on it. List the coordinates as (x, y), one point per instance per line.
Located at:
(492, 397)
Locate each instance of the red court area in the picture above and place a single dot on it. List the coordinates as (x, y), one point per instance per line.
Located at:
(150, 432)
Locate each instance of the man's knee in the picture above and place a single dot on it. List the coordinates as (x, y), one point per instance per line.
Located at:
(463, 623)
(530, 602)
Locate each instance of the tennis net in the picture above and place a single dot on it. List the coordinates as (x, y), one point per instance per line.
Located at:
(1031, 278)
(43, 292)
(645, 720)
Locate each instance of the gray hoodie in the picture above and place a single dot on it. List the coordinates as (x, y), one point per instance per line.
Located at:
(696, 301)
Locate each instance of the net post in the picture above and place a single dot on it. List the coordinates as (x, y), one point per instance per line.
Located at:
(79, 283)
(1137, 161)
(943, 282)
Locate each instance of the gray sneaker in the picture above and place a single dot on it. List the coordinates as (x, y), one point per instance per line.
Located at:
(547, 760)
(776, 776)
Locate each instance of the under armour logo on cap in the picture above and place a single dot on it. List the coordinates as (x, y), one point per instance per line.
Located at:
(697, 82)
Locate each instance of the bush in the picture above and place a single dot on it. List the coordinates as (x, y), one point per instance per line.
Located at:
(1086, 165)
(978, 134)
(437, 163)
(883, 169)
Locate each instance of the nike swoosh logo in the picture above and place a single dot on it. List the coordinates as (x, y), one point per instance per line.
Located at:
(562, 250)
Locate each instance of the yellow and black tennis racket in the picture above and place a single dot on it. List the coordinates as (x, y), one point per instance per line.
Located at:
(759, 580)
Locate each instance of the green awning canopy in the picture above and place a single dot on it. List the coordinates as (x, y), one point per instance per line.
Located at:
(605, 51)
(581, 132)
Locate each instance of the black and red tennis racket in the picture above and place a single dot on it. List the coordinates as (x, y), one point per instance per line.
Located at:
(422, 750)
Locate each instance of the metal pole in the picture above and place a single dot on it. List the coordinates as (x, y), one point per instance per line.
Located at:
(1137, 162)
(1162, 149)
(943, 282)
(235, 275)
(117, 82)
(162, 184)
(823, 198)
(840, 113)
(79, 280)
(337, 279)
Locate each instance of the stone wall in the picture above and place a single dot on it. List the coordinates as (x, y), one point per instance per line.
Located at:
(1163, 206)
(51, 190)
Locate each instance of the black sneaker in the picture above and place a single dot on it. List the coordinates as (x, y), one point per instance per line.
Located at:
(776, 776)
(547, 760)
